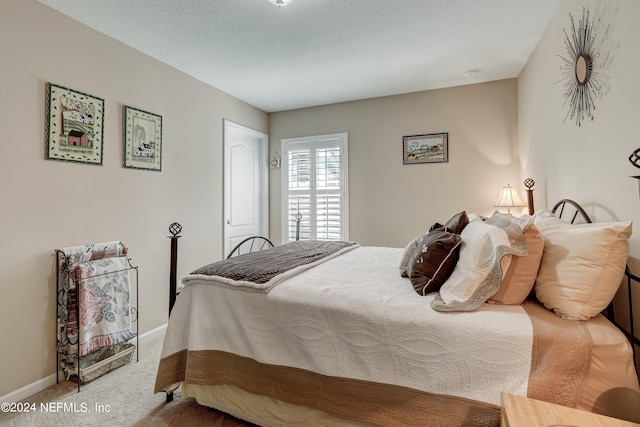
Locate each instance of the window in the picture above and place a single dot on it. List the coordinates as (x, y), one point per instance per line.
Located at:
(314, 188)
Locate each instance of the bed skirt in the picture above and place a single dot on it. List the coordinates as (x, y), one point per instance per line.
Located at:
(380, 404)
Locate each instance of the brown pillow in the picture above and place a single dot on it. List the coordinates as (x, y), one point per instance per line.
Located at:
(435, 226)
(457, 223)
(433, 260)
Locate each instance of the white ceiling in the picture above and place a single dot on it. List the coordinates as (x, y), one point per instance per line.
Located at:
(316, 52)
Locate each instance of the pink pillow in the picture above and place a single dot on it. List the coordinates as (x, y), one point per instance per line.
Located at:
(521, 275)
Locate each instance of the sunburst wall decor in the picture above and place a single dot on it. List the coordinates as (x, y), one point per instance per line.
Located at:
(580, 70)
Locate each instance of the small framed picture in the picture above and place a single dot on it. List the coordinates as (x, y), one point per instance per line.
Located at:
(75, 126)
(427, 148)
(142, 139)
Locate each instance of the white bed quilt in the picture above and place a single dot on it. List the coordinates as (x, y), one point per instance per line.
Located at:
(354, 316)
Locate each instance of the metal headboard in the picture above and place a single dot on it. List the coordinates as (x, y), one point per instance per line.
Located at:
(580, 216)
(632, 280)
(577, 210)
(250, 244)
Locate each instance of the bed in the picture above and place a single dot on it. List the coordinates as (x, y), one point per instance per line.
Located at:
(334, 333)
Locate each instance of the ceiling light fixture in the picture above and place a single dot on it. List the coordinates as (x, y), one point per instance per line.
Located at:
(280, 3)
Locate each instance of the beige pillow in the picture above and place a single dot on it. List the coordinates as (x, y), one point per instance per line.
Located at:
(582, 265)
(523, 270)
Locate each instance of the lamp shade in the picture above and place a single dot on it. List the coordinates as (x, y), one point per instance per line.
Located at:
(509, 198)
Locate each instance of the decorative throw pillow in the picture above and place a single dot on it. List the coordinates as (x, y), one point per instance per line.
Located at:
(484, 259)
(433, 260)
(519, 279)
(435, 226)
(457, 223)
(406, 255)
(582, 265)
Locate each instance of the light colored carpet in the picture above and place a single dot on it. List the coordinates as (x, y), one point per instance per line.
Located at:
(122, 397)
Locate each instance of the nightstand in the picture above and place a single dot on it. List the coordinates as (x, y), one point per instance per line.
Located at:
(519, 411)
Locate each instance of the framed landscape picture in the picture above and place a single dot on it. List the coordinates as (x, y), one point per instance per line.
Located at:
(142, 139)
(427, 148)
(74, 126)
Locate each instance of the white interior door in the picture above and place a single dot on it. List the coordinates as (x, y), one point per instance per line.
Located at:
(245, 184)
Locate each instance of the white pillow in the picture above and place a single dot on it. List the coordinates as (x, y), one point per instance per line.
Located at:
(582, 265)
(484, 259)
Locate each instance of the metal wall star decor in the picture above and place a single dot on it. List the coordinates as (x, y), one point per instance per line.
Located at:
(580, 70)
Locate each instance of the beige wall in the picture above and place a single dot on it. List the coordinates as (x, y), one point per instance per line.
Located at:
(51, 204)
(391, 203)
(587, 163)
(499, 131)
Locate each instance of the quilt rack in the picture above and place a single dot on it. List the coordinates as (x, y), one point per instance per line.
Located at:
(94, 310)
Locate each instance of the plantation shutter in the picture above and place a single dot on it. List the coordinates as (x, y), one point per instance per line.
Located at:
(314, 187)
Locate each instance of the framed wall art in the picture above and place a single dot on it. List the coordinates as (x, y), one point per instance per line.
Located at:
(427, 148)
(142, 139)
(74, 126)
(580, 74)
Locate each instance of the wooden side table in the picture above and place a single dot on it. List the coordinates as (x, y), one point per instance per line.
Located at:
(519, 411)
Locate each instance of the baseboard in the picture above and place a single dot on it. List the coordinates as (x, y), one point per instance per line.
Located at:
(154, 333)
(29, 389)
(48, 381)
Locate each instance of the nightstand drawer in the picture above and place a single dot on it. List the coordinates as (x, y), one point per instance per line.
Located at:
(519, 411)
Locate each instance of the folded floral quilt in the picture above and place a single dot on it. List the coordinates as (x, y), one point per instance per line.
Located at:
(107, 297)
(104, 303)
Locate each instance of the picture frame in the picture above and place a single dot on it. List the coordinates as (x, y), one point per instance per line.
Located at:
(425, 148)
(74, 126)
(142, 139)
